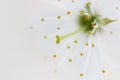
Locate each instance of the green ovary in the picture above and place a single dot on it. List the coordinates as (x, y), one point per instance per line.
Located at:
(87, 22)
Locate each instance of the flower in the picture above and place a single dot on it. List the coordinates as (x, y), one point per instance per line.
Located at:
(80, 38)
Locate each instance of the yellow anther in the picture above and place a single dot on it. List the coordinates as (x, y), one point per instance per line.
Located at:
(81, 74)
(90, 32)
(93, 24)
(93, 45)
(68, 47)
(88, 4)
(103, 71)
(42, 19)
(76, 41)
(68, 12)
(54, 55)
(82, 12)
(70, 60)
(81, 54)
(86, 44)
(58, 28)
(59, 17)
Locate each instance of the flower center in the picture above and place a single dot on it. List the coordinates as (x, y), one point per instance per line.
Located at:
(88, 21)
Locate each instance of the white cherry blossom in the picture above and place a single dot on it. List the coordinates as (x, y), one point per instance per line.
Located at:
(81, 38)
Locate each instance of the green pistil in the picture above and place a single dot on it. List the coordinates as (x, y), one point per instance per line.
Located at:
(59, 38)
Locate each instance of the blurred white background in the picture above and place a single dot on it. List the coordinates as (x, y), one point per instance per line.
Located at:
(20, 57)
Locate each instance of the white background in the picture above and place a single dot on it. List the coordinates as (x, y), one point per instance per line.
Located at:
(20, 56)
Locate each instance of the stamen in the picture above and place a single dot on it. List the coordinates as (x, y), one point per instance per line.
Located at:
(90, 32)
(89, 8)
(81, 54)
(76, 41)
(58, 28)
(68, 12)
(87, 56)
(81, 74)
(54, 55)
(103, 71)
(93, 24)
(86, 44)
(82, 12)
(94, 29)
(42, 19)
(93, 45)
(59, 38)
(59, 17)
(68, 47)
(88, 4)
(70, 60)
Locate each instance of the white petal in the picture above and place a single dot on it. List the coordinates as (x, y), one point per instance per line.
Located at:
(89, 64)
(73, 5)
(109, 46)
(107, 8)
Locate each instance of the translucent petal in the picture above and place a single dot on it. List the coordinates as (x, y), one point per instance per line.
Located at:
(89, 64)
(73, 5)
(109, 47)
(109, 9)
